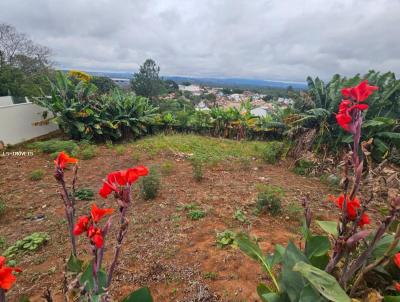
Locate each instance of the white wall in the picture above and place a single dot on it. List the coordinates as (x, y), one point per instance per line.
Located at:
(16, 123)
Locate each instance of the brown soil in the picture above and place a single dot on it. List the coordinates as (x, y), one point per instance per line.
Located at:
(164, 249)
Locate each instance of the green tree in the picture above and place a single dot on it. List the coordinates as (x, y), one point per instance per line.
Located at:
(104, 84)
(147, 82)
(170, 86)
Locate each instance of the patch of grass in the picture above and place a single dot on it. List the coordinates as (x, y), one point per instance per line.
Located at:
(269, 199)
(194, 211)
(167, 168)
(2, 207)
(54, 145)
(210, 275)
(84, 194)
(150, 185)
(196, 214)
(272, 152)
(212, 150)
(109, 144)
(120, 150)
(226, 238)
(36, 175)
(187, 207)
(303, 167)
(29, 243)
(88, 152)
(240, 216)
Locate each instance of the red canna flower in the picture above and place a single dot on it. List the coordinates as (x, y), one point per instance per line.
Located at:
(98, 213)
(7, 278)
(351, 208)
(397, 286)
(96, 236)
(63, 159)
(396, 259)
(82, 225)
(359, 93)
(343, 117)
(117, 179)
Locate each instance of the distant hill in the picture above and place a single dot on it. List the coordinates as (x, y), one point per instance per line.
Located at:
(220, 82)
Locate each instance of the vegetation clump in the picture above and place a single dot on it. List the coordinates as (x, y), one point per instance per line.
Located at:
(36, 175)
(303, 167)
(272, 152)
(55, 146)
(167, 168)
(84, 194)
(2, 207)
(269, 199)
(226, 238)
(29, 243)
(150, 185)
(197, 168)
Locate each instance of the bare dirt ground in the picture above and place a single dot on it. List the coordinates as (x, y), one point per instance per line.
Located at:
(165, 250)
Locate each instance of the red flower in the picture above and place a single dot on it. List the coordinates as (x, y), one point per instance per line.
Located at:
(397, 286)
(396, 259)
(7, 278)
(63, 159)
(96, 236)
(351, 208)
(81, 225)
(343, 117)
(117, 179)
(359, 93)
(98, 213)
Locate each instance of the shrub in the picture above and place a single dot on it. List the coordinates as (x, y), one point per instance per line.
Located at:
(29, 243)
(151, 184)
(269, 199)
(54, 145)
(84, 194)
(36, 175)
(2, 207)
(303, 167)
(272, 152)
(197, 168)
(167, 168)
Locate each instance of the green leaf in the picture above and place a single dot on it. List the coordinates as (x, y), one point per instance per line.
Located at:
(141, 295)
(74, 264)
(320, 262)
(328, 226)
(317, 246)
(309, 294)
(292, 282)
(88, 280)
(383, 244)
(323, 282)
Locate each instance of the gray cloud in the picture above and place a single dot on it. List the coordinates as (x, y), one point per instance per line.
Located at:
(277, 39)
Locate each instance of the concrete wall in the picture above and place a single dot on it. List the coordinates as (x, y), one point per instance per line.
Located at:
(16, 123)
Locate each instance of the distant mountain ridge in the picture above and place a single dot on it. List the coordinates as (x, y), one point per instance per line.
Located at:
(221, 82)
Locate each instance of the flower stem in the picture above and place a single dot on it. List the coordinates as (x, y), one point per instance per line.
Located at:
(121, 234)
(2, 295)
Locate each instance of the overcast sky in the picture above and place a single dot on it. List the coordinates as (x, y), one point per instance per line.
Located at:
(277, 39)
